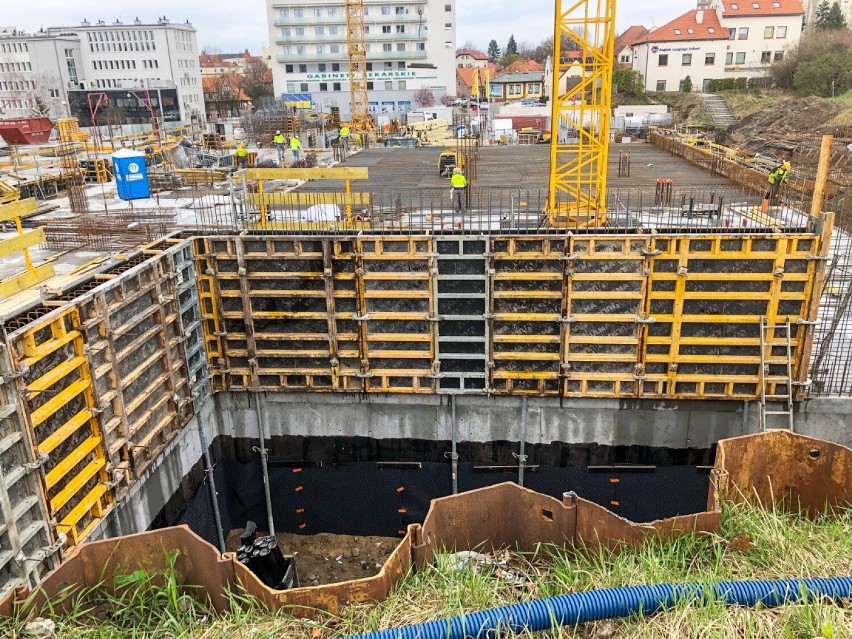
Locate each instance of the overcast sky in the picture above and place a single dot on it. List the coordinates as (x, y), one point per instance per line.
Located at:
(233, 25)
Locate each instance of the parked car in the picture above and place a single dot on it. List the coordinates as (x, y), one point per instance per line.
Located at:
(530, 103)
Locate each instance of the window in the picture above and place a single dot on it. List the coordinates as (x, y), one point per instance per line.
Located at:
(400, 46)
(448, 25)
(320, 49)
(291, 87)
(388, 85)
(740, 59)
(768, 33)
(332, 12)
(686, 59)
(298, 13)
(388, 66)
(664, 60)
(743, 33)
(400, 11)
(336, 86)
(335, 48)
(400, 28)
(285, 32)
(369, 66)
(766, 57)
(319, 31)
(677, 31)
(448, 44)
(333, 30)
(729, 58)
(624, 58)
(386, 28)
(781, 32)
(323, 86)
(386, 46)
(335, 66)
(318, 13)
(400, 65)
(732, 34)
(710, 58)
(404, 105)
(303, 86)
(385, 11)
(534, 88)
(369, 86)
(300, 31)
(420, 46)
(321, 67)
(514, 89)
(779, 55)
(448, 7)
(288, 68)
(400, 84)
(661, 85)
(303, 68)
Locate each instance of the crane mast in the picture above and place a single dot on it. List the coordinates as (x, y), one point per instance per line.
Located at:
(359, 108)
(581, 108)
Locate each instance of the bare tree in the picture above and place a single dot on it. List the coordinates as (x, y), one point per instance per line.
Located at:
(424, 97)
(256, 79)
(41, 92)
(468, 44)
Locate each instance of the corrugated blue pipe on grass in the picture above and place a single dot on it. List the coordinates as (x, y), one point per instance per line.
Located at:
(612, 603)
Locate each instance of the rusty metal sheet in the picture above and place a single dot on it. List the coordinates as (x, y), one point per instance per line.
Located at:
(784, 469)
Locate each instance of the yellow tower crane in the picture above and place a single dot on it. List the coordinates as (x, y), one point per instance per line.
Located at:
(581, 98)
(360, 120)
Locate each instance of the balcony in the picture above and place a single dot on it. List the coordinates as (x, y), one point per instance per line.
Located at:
(396, 55)
(393, 37)
(302, 58)
(310, 19)
(293, 40)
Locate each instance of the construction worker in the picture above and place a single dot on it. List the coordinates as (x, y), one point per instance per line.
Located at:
(295, 147)
(458, 182)
(242, 155)
(776, 178)
(344, 137)
(279, 140)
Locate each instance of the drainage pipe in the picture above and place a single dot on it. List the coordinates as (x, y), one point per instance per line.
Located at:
(264, 465)
(211, 483)
(454, 455)
(611, 603)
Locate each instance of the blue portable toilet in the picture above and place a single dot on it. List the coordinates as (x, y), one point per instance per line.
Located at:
(131, 174)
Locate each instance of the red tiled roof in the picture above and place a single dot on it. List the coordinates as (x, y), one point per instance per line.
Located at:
(466, 74)
(744, 8)
(522, 66)
(212, 86)
(688, 27)
(473, 53)
(630, 37)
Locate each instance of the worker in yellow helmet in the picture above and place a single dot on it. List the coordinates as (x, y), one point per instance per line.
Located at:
(295, 147)
(279, 140)
(242, 155)
(344, 136)
(458, 182)
(777, 177)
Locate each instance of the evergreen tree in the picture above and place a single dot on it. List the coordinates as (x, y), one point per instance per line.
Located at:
(822, 11)
(512, 46)
(829, 17)
(493, 51)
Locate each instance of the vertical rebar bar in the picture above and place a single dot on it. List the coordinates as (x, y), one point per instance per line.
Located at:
(211, 484)
(522, 457)
(454, 455)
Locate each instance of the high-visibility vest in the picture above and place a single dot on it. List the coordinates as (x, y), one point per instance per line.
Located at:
(344, 131)
(241, 152)
(778, 175)
(458, 181)
(295, 144)
(279, 139)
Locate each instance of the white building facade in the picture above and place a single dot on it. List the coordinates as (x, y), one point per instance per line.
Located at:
(99, 56)
(410, 45)
(725, 40)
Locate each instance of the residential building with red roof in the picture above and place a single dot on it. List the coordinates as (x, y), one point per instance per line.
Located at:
(624, 45)
(726, 39)
(464, 79)
(470, 58)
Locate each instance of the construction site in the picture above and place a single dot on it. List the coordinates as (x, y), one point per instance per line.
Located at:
(335, 353)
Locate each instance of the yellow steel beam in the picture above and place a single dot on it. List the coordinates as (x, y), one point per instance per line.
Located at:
(23, 281)
(40, 414)
(300, 198)
(18, 209)
(21, 242)
(65, 431)
(70, 461)
(319, 173)
(76, 484)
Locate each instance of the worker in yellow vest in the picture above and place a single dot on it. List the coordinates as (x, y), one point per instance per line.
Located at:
(279, 140)
(458, 182)
(778, 177)
(295, 147)
(344, 137)
(242, 155)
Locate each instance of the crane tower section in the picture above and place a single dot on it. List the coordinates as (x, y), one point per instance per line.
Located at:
(357, 49)
(583, 49)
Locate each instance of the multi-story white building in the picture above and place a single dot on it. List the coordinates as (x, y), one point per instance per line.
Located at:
(727, 39)
(99, 57)
(411, 45)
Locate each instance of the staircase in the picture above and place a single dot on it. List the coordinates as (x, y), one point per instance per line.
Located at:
(718, 110)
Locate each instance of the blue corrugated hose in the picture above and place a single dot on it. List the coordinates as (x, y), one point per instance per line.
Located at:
(611, 603)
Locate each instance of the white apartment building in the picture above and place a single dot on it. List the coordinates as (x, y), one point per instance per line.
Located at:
(411, 44)
(728, 39)
(98, 57)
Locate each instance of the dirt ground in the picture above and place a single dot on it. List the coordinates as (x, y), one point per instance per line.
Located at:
(325, 558)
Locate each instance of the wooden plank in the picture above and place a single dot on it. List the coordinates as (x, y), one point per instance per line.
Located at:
(25, 280)
(318, 173)
(20, 242)
(17, 209)
(308, 199)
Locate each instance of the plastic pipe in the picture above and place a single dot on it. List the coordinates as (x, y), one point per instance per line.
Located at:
(611, 603)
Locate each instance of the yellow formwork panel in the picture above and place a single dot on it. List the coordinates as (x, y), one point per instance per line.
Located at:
(61, 409)
(707, 295)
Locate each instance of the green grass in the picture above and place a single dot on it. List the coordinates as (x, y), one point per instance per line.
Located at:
(752, 544)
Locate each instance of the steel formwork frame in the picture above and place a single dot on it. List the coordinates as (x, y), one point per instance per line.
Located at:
(578, 169)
